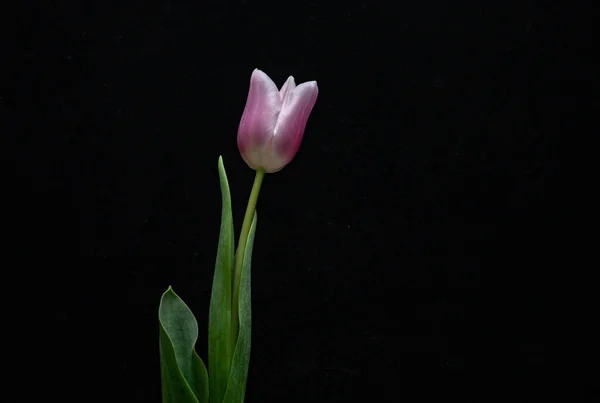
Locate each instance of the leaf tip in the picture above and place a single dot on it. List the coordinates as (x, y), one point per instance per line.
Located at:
(169, 291)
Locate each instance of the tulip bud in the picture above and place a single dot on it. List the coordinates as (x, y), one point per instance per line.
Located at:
(273, 121)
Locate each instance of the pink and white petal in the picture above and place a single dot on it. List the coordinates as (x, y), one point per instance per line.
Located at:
(293, 117)
(275, 163)
(287, 89)
(259, 119)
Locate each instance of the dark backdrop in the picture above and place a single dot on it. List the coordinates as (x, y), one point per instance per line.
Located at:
(406, 253)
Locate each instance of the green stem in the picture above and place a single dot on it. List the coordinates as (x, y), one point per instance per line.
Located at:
(239, 253)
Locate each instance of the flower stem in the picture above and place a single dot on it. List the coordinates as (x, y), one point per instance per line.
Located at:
(239, 254)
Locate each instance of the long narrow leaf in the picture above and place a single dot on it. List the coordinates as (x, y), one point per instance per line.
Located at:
(236, 388)
(183, 374)
(219, 320)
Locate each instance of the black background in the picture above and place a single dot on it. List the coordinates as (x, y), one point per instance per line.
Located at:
(407, 252)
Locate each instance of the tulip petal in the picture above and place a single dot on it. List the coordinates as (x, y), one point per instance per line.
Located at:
(259, 118)
(286, 90)
(292, 120)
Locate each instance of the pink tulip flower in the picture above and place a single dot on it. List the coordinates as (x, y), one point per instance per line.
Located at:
(273, 121)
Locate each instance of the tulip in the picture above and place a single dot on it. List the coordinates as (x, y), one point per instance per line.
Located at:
(269, 137)
(273, 122)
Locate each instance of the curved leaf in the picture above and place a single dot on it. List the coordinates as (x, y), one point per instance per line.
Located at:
(183, 374)
(201, 388)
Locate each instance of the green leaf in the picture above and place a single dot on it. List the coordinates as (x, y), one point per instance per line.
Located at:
(236, 388)
(219, 319)
(183, 374)
(201, 375)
